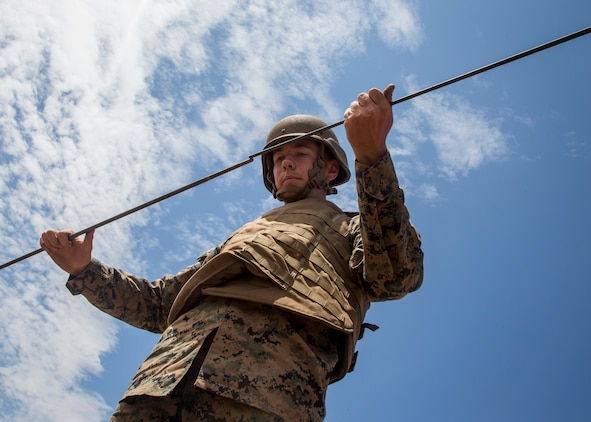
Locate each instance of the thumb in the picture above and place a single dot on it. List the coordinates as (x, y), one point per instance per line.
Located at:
(88, 238)
(388, 91)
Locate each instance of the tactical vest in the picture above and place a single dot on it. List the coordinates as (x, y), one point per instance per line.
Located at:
(303, 248)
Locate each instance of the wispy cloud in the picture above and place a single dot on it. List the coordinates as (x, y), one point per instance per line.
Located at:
(464, 137)
(442, 134)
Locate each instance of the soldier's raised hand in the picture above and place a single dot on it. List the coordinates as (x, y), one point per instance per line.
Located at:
(367, 123)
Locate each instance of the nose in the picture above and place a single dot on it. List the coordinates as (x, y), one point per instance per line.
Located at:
(287, 163)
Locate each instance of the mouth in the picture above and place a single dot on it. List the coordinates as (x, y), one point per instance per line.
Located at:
(289, 177)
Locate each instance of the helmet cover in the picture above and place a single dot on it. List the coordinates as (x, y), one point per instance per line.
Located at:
(297, 125)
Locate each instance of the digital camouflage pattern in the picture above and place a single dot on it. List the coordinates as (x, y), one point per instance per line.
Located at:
(262, 356)
(387, 248)
(190, 404)
(271, 360)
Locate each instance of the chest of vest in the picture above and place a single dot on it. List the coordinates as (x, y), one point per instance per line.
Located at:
(304, 247)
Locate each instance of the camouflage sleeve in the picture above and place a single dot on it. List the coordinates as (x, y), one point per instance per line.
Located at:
(387, 254)
(134, 300)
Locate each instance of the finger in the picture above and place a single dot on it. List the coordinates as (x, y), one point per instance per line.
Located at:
(47, 241)
(63, 238)
(41, 240)
(48, 238)
(376, 95)
(353, 109)
(363, 99)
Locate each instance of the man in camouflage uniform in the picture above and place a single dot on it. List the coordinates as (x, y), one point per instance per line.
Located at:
(259, 326)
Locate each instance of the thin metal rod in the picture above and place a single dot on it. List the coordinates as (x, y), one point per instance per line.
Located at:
(138, 208)
(263, 151)
(474, 72)
(502, 62)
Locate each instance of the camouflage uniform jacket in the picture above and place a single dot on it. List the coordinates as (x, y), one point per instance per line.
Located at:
(386, 258)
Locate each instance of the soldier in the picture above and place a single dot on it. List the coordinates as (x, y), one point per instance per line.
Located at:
(260, 326)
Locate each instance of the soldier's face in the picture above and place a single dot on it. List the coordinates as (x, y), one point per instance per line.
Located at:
(292, 162)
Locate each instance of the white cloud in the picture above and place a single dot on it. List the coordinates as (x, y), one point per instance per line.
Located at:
(428, 192)
(397, 23)
(49, 348)
(463, 136)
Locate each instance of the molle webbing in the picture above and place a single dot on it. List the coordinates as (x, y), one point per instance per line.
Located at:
(286, 272)
(305, 249)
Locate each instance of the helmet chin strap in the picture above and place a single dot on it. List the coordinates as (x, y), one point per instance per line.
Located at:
(283, 193)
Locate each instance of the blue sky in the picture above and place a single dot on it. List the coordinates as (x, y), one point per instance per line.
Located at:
(105, 106)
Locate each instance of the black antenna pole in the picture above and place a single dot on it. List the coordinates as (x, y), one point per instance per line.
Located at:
(475, 72)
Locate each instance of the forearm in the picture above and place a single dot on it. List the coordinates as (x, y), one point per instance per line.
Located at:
(131, 299)
(392, 255)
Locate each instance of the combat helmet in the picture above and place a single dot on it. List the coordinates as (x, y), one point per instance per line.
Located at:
(297, 125)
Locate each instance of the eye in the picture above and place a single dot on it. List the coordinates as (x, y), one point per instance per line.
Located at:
(304, 152)
(277, 158)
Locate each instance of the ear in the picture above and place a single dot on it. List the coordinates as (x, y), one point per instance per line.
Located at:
(331, 170)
